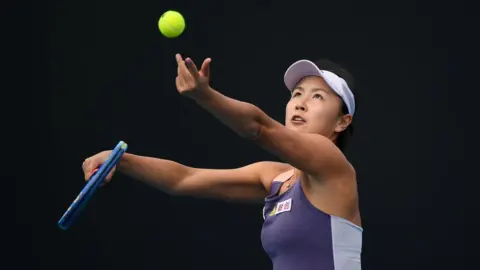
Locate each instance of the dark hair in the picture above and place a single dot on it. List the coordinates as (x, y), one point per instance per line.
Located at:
(326, 64)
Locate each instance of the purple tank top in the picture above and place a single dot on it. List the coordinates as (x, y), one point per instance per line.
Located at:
(298, 236)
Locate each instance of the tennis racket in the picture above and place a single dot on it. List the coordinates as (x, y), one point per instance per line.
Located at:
(95, 181)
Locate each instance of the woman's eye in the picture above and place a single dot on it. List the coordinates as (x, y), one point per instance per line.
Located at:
(296, 94)
(318, 96)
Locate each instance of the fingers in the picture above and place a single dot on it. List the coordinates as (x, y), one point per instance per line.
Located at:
(85, 167)
(179, 58)
(182, 69)
(89, 168)
(188, 65)
(205, 69)
(109, 177)
(192, 68)
(179, 82)
(184, 76)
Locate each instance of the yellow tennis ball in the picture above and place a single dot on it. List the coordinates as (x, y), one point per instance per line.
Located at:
(171, 24)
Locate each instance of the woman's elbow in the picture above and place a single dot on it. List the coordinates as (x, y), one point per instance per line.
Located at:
(252, 131)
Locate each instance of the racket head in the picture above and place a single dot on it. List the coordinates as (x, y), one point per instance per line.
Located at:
(95, 181)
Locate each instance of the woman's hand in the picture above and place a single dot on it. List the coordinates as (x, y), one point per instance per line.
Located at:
(190, 81)
(91, 165)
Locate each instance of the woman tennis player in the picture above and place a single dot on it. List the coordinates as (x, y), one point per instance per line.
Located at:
(311, 213)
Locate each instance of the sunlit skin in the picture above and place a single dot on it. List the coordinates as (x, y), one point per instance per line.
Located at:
(319, 107)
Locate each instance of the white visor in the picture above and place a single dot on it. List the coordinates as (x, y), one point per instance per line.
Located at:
(303, 68)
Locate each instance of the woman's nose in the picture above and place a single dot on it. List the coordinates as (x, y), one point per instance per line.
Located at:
(300, 107)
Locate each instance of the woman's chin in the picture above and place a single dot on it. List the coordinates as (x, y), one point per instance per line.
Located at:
(298, 128)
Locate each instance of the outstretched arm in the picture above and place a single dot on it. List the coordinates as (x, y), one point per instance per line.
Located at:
(246, 183)
(311, 153)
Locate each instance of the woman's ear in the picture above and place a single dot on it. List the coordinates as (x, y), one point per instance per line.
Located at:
(343, 122)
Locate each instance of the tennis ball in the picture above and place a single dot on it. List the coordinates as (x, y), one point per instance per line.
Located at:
(171, 24)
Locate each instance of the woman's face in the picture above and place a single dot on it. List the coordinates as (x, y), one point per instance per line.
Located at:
(315, 108)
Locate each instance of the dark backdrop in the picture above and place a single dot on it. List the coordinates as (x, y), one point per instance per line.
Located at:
(103, 73)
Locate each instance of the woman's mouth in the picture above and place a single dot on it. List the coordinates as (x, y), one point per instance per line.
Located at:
(298, 120)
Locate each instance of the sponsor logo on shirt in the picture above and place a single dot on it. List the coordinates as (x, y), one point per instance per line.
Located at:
(283, 206)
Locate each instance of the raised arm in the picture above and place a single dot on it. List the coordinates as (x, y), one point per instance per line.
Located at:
(311, 153)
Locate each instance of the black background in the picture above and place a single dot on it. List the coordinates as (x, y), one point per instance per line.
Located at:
(102, 72)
